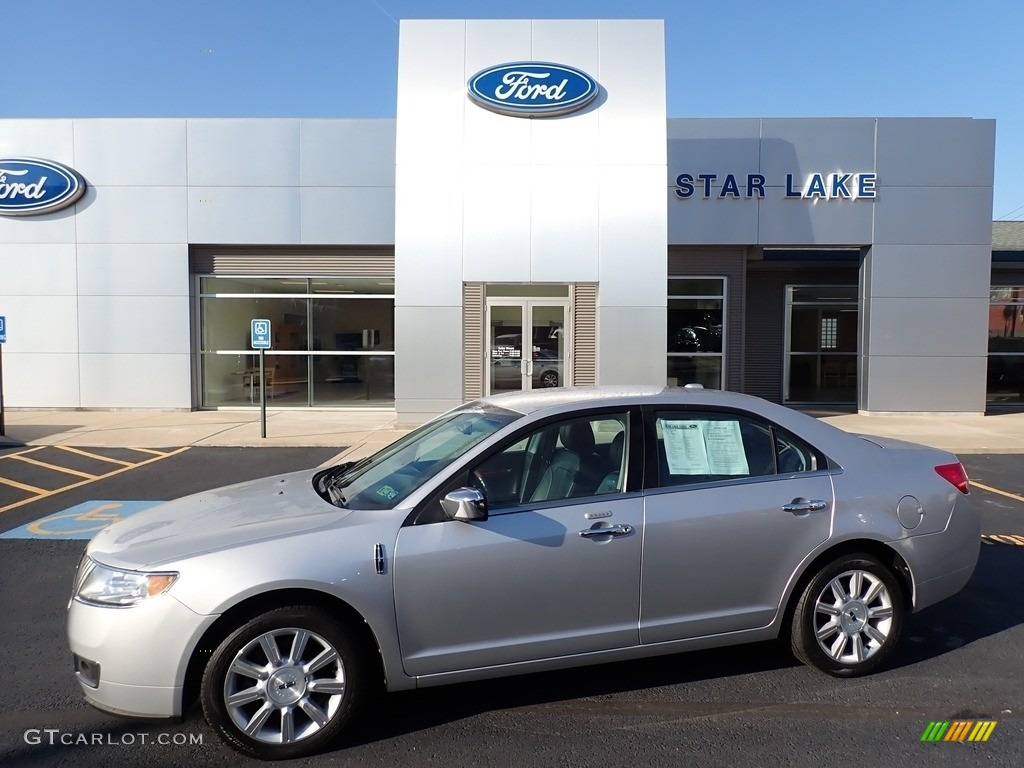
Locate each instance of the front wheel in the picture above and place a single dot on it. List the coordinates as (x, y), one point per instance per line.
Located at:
(849, 617)
(284, 684)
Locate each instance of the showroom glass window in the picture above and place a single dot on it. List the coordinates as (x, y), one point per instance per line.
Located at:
(333, 341)
(1006, 345)
(696, 327)
(821, 344)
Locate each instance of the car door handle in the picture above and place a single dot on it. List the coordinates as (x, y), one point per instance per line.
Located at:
(805, 505)
(611, 530)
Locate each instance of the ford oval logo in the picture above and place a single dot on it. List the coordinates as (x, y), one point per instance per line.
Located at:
(532, 89)
(29, 186)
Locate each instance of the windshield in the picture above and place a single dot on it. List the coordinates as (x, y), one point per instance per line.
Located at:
(384, 480)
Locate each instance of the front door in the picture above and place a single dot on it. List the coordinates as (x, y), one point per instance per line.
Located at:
(528, 345)
(554, 570)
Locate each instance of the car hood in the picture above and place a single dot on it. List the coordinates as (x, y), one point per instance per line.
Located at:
(272, 507)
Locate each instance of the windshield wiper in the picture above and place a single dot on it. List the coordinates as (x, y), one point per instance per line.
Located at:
(322, 478)
(329, 482)
(343, 471)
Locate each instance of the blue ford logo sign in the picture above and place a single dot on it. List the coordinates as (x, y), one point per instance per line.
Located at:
(532, 89)
(29, 186)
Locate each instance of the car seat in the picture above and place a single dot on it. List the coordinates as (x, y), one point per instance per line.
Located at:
(573, 468)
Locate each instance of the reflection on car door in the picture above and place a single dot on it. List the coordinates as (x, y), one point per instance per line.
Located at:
(720, 548)
(523, 584)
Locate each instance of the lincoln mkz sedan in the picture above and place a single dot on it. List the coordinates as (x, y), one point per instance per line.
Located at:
(518, 533)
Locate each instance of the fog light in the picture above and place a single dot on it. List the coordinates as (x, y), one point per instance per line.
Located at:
(87, 671)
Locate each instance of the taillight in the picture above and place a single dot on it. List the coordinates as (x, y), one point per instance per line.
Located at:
(956, 475)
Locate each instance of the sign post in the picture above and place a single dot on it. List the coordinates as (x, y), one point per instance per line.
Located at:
(3, 339)
(259, 333)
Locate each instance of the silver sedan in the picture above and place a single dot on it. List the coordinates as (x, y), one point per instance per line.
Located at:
(518, 533)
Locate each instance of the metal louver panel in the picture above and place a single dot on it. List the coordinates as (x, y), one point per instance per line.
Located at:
(766, 319)
(292, 261)
(584, 334)
(472, 341)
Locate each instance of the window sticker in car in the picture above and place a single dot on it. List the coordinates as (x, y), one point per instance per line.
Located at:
(387, 492)
(702, 447)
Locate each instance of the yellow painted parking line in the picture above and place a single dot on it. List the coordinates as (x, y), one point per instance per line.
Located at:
(990, 489)
(22, 487)
(80, 452)
(1003, 538)
(55, 467)
(46, 494)
(153, 451)
(33, 449)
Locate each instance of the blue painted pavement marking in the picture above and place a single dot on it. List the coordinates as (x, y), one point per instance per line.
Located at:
(82, 521)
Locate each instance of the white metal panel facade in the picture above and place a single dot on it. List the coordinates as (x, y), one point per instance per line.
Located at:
(578, 198)
(98, 296)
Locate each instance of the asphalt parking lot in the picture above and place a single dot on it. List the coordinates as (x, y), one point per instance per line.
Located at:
(750, 705)
(39, 481)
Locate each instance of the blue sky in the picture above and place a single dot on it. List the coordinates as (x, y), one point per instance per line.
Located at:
(338, 58)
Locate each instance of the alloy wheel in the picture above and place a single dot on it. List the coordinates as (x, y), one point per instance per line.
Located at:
(853, 616)
(284, 685)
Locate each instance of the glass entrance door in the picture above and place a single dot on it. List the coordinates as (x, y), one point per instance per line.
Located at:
(527, 343)
(821, 344)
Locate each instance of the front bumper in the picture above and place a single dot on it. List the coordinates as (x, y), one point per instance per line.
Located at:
(142, 654)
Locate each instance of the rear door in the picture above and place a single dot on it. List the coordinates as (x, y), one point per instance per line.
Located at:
(733, 505)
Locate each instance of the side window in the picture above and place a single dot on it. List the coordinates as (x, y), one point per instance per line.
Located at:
(704, 447)
(794, 455)
(564, 460)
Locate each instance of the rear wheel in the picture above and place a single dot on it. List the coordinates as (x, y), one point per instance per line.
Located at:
(849, 618)
(284, 684)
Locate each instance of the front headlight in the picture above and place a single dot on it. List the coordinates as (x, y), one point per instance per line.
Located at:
(99, 585)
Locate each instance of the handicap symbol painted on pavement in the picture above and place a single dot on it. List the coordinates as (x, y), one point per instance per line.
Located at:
(82, 521)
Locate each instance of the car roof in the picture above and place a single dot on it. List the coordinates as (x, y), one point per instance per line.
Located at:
(558, 398)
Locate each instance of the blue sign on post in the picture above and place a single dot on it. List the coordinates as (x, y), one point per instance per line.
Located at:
(3, 329)
(260, 332)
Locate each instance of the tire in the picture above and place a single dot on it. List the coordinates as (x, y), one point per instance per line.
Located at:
(549, 379)
(849, 618)
(267, 704)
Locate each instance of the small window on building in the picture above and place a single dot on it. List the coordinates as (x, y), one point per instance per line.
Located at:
(696, 329)
(1006, 345)
(829, 332)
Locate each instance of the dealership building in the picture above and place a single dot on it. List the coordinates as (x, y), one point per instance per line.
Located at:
(532, 217)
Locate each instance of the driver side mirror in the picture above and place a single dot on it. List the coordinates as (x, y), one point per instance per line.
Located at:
(465, 504)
